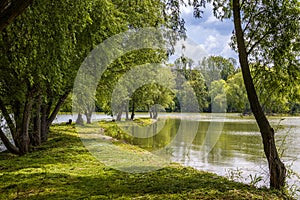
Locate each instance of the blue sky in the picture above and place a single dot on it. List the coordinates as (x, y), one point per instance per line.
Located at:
(206, 36)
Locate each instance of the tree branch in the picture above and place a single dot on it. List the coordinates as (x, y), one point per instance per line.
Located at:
(7, 118)
(10, 10)
(257, 42)
(251, 18)
(57, 107)
(10, 147)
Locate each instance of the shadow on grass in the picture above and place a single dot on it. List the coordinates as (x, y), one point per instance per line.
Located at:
(63, 146)
(112, 184)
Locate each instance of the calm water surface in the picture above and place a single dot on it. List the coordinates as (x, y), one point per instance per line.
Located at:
(223, 143)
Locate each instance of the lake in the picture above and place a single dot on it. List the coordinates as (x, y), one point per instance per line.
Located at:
(225, 144)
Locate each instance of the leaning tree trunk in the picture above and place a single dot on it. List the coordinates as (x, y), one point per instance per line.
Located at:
(10, 147)
(276, 167)
(56, 109)
(47, 117)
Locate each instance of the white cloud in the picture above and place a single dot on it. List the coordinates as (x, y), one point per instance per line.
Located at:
(209, 32)
(186, 10)
(190, 49)
(211, 43)
(211, 20)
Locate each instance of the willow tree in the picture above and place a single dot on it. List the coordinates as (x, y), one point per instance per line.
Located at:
(266, 32)
(41, 52)
(138, 14)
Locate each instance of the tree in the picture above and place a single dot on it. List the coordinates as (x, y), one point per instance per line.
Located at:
(152, 97)
(137, 14)
(39, 68)
(236, 94)
(185, 66)
(218, 96)
(272, 90)
(143, 87)
(216, 67)
(283, 12)
(119, 68)
(275, 96)
(266, 32)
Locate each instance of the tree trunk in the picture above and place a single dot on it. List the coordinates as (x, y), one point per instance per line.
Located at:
(119, 116)
(126, 112)
(44, 128)
(22, 129)
(132, 112)
(10, 147)
(36, 134)
(150, 112)
(155, 114)
(8, 119)
(276, 167)
(79, 119)
(89, 113)
(47, 118)
(60, 102)
(88, 117)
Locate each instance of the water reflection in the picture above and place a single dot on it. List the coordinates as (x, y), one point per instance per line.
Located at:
(238, 146)
(235, 137)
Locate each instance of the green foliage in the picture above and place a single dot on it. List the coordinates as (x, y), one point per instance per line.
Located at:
(216, 67)
(131, 70)
(44, 47)
(218, 96)
(153, 94)
(271, 32)
(237, 100)
(194, 80)
(274, 93)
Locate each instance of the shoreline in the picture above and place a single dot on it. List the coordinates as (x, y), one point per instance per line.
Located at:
(63, 168)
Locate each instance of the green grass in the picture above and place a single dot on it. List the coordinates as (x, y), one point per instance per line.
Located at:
(62, 168)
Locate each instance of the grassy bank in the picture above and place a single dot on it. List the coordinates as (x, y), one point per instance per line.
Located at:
(62, 168)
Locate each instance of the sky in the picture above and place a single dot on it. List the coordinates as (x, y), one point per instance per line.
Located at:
(206, 36)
